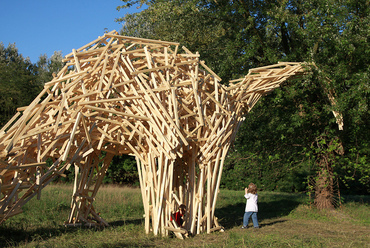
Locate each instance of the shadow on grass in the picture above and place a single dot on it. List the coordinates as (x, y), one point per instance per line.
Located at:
(363, 199)
(126, 222)
(10, 236)
(129, 244)
(13, 236)
(232, 215)
(135, 243)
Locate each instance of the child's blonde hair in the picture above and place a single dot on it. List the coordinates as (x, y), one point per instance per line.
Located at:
(252, 188)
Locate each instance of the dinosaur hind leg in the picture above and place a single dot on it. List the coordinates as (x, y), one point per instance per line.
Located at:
(88, 179)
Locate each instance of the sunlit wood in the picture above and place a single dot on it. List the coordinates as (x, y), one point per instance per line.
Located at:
(125, 95)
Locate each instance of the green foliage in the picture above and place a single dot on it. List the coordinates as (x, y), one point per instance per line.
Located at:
(18, 82)
(274, 145)
(122, 170)
(47, 67)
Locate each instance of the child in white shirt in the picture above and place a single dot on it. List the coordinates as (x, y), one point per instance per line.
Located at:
(251, 207)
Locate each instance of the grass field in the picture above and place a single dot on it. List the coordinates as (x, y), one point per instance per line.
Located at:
(286, 220)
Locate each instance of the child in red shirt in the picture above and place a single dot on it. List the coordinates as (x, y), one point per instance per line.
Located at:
(178, 215)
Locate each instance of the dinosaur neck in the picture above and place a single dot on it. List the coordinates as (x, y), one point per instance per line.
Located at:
(245, 92)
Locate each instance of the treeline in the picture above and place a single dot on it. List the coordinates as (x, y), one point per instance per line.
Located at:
(291, 140)
(21, 80)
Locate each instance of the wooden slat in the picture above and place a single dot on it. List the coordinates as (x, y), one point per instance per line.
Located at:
(117, 113)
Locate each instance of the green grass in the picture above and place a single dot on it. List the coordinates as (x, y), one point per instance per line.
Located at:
(286, 220)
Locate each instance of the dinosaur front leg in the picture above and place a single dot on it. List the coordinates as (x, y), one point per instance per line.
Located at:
(155, 174)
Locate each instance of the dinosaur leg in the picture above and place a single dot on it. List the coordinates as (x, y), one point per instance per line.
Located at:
(88, 179)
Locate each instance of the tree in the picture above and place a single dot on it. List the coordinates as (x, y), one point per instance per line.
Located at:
(123, 170)
(18, 82)
(292, 132)
(220, 30)
(47, 67)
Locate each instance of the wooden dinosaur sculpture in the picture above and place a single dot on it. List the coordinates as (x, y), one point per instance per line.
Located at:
(124, 95)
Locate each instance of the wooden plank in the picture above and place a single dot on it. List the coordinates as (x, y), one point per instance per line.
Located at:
(117, 113)
(179, 230)
(177, 234)
(210, 71)
(109, 100)
(77, 122)
(208, 206)
(16, 184)
(68, 76)
(9, 122)
(76, 62)
(116, 60)
(142, 40)
(24, 166)
(85, 46)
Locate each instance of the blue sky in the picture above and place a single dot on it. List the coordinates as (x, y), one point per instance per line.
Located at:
(44, 26)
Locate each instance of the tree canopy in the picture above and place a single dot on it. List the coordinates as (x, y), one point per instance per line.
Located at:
(20, 80)
(291, 137)
(290, 133)
(18, 83)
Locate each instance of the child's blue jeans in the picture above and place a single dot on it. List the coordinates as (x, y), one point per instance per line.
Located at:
(246, 217)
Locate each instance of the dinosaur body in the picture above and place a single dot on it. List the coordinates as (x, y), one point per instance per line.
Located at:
(124, 95)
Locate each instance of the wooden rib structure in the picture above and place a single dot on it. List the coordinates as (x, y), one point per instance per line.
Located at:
(125, 95)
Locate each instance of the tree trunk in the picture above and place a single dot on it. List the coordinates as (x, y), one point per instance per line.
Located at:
(324, 190)
(324, 183)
